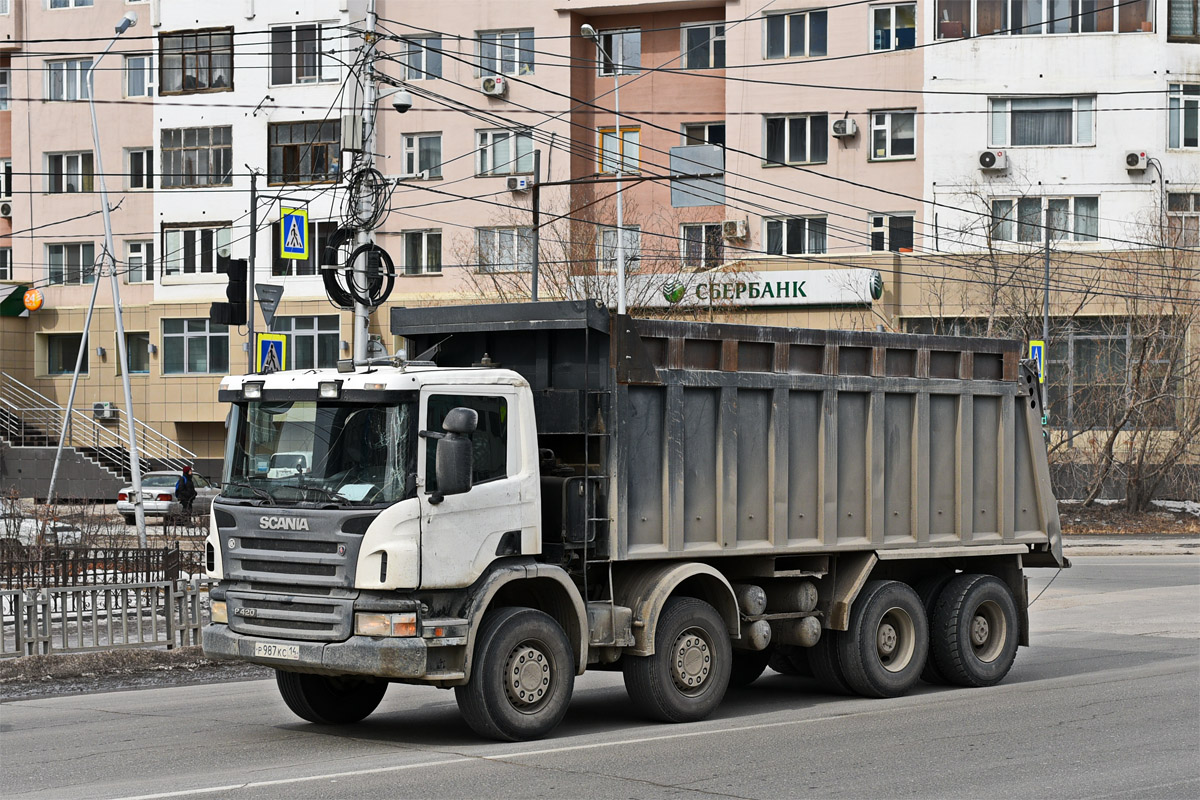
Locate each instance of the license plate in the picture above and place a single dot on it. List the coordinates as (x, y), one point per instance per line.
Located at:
(290, 652)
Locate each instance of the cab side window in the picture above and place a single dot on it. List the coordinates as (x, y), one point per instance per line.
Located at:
(489, 441)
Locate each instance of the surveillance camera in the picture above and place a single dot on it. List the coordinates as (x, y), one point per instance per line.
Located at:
(402, 102)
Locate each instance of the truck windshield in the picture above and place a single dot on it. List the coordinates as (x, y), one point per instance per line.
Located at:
(321, 452)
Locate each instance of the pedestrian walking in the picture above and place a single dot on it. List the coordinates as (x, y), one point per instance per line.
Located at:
(185, 491)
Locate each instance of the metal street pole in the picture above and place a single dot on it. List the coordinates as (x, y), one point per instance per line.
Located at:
(1046, 319)
(366, 200)
(537, 221)
(253, 345)
(588, 32)
(128, 21)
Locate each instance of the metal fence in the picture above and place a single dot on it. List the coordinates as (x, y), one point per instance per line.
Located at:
(26, 568)
(80, 619)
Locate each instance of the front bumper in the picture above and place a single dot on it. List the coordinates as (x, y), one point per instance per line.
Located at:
(404, 659)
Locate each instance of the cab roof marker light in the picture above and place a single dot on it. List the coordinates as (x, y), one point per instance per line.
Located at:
(329, 390)
(375, 386)
(252, 390)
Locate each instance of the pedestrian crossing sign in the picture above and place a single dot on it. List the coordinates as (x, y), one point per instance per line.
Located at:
(293, 234)
(272, 352)
(1037, 351)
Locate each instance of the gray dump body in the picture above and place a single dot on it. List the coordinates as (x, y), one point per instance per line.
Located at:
(712, 440)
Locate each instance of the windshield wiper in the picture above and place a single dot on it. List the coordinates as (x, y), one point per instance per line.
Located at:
(259, 491)
(328, 493)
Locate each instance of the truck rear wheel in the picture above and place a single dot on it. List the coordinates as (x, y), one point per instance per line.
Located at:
(975, 631)
(884, 650)
(826, 666)
(748, 666)
(686, 678)
(329, 700)
(522, 678)
(929, 590)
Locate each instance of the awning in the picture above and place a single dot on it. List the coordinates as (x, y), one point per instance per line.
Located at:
(12, 300)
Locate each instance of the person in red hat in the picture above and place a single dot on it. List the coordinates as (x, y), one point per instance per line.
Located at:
(185, 490)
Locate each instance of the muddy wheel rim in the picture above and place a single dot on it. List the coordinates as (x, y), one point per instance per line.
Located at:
(527, 676)
(895, 639)
(691, 661)
(988, 631)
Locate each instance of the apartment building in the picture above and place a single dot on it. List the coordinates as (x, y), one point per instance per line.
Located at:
(881, 163)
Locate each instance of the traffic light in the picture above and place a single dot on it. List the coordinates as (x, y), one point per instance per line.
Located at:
(234, 311)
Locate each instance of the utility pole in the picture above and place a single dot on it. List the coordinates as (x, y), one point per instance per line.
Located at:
(366, 200)
(1046, 317)
(252, 345)
(537, 220)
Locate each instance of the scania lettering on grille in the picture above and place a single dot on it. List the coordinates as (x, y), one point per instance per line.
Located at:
(283, 523)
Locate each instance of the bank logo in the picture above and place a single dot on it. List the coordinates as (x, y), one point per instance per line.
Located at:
(674, 292)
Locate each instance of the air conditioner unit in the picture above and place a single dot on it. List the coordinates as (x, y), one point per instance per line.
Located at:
(1135, 160)
(6, 208)
(104, 411)
(845, 127)
(993, 160)
(494, 86)
(735, 229)
(520, 183)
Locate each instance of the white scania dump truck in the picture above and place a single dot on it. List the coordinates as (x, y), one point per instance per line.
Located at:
(560, 489)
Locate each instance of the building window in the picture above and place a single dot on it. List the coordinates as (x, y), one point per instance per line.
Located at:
(139, 75)
(893, 134)
(623, 153)
(137, 353)
(6, 270)
(505, 249)
(703, 46)
(422, 155)
(953, 18)
(1183, 219)
(67, 80)
(1183, 20)
(702, 245)
(892, 232)
(196, 61)
(704, 133)
(70, 3)
(301, 54)
(506, 52)
(197, 157)
(504, 152)
(139, 261)
(5, 82)
(1097, 366)
(797, 140)
(6, 178)
(895, 27)
(141, 167)
(1025, 219)
(1183, 110)
(312, 341)
(62, 350)
(620, 51)
(422, 58)
(606, 249)
(71, 264)
(794, 35)
(303, 152)
(192, 346)
(69, 172)
(1041, 121)
(193, 250)
(795, 236)
(318, 236)
(422, 252)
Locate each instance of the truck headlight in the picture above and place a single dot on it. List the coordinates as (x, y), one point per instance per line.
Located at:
(220, 612)
(370, 623)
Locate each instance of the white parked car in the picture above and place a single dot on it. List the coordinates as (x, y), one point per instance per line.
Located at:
(158, 495)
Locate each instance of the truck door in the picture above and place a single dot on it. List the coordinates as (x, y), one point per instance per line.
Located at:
(464, 533)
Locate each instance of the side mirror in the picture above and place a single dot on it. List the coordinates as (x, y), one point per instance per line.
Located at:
(455, 453)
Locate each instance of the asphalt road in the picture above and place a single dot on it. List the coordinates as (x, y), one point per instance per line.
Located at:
(1105, 704)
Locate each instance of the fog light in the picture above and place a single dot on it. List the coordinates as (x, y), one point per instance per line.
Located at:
(373, 624)
(329, 390)
(220, 611)
(252, 390)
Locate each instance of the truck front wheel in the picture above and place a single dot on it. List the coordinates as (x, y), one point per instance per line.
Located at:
(522, 679)
(686, 678)
(329, 701)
